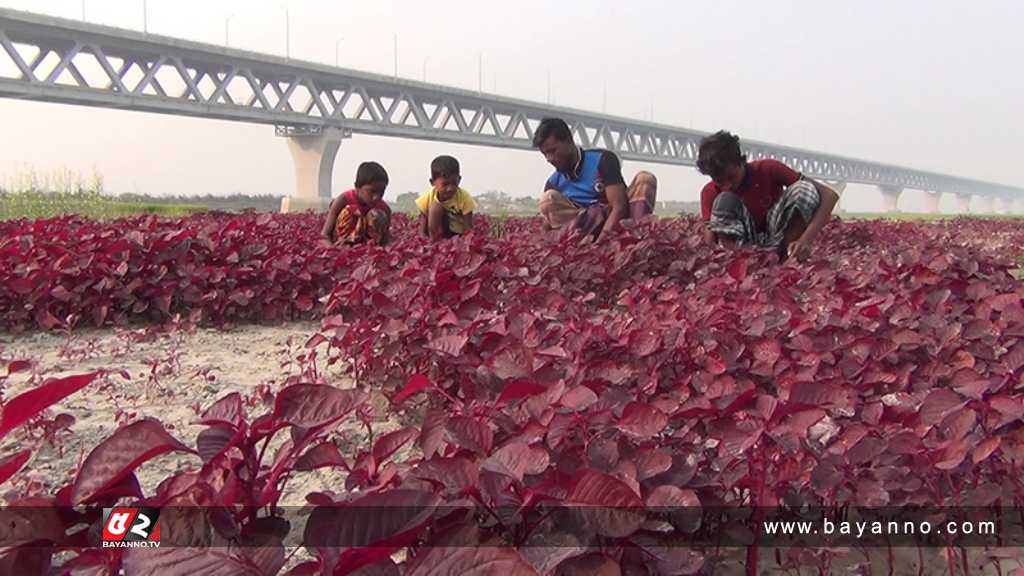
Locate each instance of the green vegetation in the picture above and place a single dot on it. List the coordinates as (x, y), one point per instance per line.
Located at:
(30, 194)
(33, 204)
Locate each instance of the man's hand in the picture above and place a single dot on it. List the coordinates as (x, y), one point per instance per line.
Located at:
(799, 249)
(618, 208)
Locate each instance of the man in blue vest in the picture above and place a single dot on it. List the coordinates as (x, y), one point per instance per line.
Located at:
(587, 191)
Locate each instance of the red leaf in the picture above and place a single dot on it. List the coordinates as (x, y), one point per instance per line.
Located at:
(617, 510)
(714, 365)
(121, 454)
(517, 459)
(578, 398)
(392, 442)
(593, 564)
(1015, 357)
(652, 462)
(952, 456)
(127, 487)
(18, 366)
(380, 520)
(938, 405)
(469, 433)
(27, 405)
(736, 441)
(642, 421)
(487, 561)
(181, 561)
(214, 440)
(672, 497)
(10, 465)
(737, 268)
(314, 405)
(518, 390)
(985, 449)
(767, 351)
(451, 345)
(325, 454)
(227, 410)
(977, 329)
(432, 433)
(417, 383)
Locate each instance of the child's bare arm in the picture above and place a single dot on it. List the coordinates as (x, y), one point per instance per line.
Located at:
(332, 219)
(468, 220)
(424, 229)
(435, 221)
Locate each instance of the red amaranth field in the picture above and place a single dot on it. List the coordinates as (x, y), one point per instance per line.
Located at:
(547, 394)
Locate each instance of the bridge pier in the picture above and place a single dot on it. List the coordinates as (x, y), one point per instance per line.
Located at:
(963, 204)
(313, 151)
(998, 206)
(890, 197)
(931, 202)
(983, 205)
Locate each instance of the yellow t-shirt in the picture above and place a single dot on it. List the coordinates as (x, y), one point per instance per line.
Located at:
(457, 206)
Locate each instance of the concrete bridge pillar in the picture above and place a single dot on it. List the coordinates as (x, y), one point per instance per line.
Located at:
(963, 204)
(982, 205)
(931, 202)
(313, 151)
(890, 197)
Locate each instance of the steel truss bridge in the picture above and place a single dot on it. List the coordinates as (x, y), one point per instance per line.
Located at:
(66, 61)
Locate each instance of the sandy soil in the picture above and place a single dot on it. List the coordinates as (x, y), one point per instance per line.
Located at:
(171, 376)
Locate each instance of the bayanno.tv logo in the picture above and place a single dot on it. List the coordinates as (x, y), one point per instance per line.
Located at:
(129, 527)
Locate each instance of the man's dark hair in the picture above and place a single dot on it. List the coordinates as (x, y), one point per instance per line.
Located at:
(446, 166)
(717, 152)
(549, 127)
(370, 172)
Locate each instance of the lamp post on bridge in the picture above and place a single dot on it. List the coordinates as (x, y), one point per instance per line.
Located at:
(145, 17)
(227, 21)
(425, 58)
(337, 48)
(287, 34)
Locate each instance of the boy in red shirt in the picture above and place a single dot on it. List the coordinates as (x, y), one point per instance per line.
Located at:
(759, 203)
(360, 214)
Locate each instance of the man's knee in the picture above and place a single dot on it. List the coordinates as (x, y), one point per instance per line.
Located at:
(548, 200)
(550, 196)
(803, 188)
(727, 203)
(804, 196)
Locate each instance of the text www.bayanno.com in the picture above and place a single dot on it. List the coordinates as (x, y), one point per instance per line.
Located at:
(861, 529)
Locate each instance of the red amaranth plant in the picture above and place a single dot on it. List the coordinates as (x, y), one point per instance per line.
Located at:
(563, 394)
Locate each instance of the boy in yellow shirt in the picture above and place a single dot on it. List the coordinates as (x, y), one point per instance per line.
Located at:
(446, 210)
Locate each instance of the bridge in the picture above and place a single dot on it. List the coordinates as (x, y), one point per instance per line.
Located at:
(316, 106)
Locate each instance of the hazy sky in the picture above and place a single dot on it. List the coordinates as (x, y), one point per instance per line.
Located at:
(933, 84)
